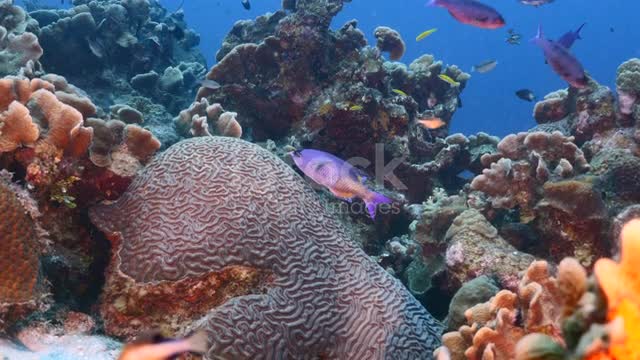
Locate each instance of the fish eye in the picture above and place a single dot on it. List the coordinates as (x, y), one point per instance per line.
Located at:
(297, 153)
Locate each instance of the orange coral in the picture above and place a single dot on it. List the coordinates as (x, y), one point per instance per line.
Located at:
(20, 90)
(140, 142)
(620, 282)
(63, 120)
(17, 128)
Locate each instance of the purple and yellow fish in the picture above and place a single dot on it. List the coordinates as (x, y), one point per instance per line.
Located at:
(562, 61)
(339, 177)
(158, 348)
(471, 12)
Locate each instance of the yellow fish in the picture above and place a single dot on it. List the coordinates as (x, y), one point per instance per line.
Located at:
(355, 107)
(399, 92)
(448, 79)
(426, 33)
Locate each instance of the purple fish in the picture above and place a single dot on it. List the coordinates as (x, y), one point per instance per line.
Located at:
(570, 37)
(337, 175)
(561, 60)
(471, 12)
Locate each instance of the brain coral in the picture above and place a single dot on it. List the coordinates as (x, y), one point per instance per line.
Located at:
(213, 210)
(20, 283)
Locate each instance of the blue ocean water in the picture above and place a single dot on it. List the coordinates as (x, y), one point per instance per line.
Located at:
(489, 103)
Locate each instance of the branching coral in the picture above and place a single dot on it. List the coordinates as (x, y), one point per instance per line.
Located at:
(523, 163)
(541, 304)
(240, 251)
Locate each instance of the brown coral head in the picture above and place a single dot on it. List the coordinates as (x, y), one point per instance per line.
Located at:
(389, 40)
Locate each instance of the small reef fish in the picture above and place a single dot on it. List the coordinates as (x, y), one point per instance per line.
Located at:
(246, 4)
(526, 94)
(340, 177)
(448, 79)
(399, 92)
(158, 348)
(432, 123)
(209, 84)
(355, 107)
(513, 37)
(485, 66)
(426, 33)
(562, 61)
(536, 3)
(471, 12)
(570, 37)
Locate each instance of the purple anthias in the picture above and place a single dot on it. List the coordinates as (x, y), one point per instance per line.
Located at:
(570, 37)
(471, 12)
(562, 61)
(340, 177)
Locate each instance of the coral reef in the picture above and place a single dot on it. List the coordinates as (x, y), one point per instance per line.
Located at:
(19, 47)
(539, 306)
(475, 249)
(523, 163)
(255, 267)
(581, 113)
(389, 40)
(287, 73)
(219, 234)
(627, 80)
(22, 289)
(195, 120)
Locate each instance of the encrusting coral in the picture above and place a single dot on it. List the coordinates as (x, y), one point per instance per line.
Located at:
(475, 248)
(239, 255)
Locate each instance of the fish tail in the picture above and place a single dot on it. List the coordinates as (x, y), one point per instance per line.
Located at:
(199, 342)
(373, 201)
(578, 31)
(539, 36)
